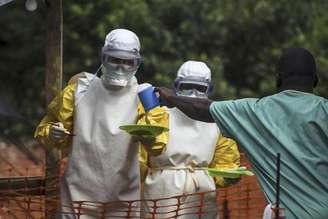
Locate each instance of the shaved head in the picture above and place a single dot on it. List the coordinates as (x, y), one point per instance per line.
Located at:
(296, 68)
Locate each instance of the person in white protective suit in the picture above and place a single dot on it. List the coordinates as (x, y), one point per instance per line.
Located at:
(192, 146)
(103, 163)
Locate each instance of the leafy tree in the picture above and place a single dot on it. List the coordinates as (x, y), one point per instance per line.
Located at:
(240, 40)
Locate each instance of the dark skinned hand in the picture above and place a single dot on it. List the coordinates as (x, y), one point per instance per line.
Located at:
(165, 94)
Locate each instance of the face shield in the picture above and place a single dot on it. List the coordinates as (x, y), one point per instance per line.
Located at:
(193, 86)
(120, 58)
(119, 66)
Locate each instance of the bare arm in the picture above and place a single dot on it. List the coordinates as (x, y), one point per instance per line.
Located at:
(195, 108)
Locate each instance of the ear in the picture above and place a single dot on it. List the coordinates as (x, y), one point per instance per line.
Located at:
(278, 80)
(315, 81)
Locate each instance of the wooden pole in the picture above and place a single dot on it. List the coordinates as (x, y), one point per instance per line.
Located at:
(54, 49)
(53, 85)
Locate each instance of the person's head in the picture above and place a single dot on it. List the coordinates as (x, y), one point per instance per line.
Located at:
(120, 58)
(296, 70)
(193, 80)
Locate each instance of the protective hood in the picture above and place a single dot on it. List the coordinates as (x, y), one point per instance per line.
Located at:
(194, 69)
(122, 43)
(120, 57)
(193, 80)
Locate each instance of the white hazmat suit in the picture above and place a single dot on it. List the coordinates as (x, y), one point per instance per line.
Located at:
(103, 163)
(192, 146)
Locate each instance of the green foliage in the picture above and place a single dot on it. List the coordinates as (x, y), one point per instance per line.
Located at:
(240, 40)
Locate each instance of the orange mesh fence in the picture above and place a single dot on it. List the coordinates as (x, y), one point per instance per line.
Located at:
(200, 205)
(23, 194)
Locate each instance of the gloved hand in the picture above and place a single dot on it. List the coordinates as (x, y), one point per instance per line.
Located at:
(57, 132)
(148, 143)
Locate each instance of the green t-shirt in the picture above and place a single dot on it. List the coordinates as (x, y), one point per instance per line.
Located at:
(294, 124)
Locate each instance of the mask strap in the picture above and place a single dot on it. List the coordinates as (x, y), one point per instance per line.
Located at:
(96, 74)
(98, 70)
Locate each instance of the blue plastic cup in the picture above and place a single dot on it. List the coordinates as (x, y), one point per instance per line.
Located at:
(147, 96)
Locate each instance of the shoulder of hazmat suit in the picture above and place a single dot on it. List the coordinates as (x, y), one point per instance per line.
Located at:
(60, 109)
(226, 156)
(157, 116)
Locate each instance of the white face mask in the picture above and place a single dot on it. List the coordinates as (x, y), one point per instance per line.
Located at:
(118, 70)
(116, 76)
(191, 93)
(196, 87)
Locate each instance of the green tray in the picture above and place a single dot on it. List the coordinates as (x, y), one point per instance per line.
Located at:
(230, 173)
(144, 130)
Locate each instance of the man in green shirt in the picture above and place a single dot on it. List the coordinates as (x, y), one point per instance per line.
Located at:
(292, 122)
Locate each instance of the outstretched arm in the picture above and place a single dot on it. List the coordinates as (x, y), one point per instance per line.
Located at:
(195, 108)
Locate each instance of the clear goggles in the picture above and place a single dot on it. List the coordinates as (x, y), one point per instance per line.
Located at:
(120, 59)
(193, 83)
